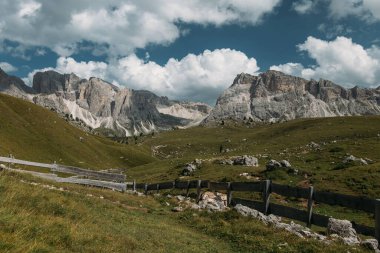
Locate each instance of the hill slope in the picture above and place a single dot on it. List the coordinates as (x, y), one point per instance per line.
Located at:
(336, 139)
(31, 132)
(39, 216)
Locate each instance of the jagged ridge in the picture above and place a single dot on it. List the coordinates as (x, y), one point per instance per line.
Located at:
(100, 104)
(274, 96)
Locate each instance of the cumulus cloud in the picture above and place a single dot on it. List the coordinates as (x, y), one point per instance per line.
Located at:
(340, 60)
(119, 26)
(303, 6)
(368, 10)
(332, 30)
(195, 77)
(7, 67)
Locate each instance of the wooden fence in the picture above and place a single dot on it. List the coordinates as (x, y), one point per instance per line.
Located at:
(266, 187)
(68, 169)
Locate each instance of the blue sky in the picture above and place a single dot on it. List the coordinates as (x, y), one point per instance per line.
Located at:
(192, 49)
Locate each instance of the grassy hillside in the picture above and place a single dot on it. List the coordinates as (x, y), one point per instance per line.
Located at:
(34, 133)
(38, 216)
(322, 167)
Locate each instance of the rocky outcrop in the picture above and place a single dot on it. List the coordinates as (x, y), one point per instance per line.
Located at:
(244, 160)
(213, 201)
(96, 103)
(274, 97)
(14, 86)
(343, 229)
(283, 164)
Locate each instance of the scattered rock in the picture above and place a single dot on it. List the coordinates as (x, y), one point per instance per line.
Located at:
(371, 244)
(352, 158)
(275, 221)
(213, 201)
(344, 229)
(273, 165)
(180, 198)
(195, 206)
(246, 175)
(189, 169)
(2, 167)
(246, 161)
(314, 145)
(197, 162)
(285, 164)
(226, 162)
(177, 209)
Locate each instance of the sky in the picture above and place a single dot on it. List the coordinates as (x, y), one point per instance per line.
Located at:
(192, 49)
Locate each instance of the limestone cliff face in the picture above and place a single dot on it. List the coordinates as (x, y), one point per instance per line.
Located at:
(14, 86)
(274, 96)
(98, 103)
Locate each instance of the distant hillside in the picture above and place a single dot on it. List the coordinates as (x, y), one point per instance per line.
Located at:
(317, 147)
(34, 133)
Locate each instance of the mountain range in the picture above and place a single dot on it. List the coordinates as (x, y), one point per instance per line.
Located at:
(271, 96)
(274, 97)
(95, 103)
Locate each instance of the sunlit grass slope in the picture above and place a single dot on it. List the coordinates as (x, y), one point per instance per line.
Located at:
(35, 217)
(33, 133)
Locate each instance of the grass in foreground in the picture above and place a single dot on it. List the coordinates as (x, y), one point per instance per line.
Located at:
(34, 218)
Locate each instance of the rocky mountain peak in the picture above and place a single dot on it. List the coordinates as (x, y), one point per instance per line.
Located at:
(275, 96)
(2, 73)
(49, 82)
(243, 78)
(13, 86)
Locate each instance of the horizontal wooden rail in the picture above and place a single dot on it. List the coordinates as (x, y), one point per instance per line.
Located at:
(68, 169)
(289, 191)
(267, 187)
(72, 180)
(246, 186)
(354, 202)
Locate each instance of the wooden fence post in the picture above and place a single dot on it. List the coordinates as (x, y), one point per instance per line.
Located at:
(377, 217)
(188, 188)
(310, 206)
(146, 189)
(199, 183)
(134, 185)
(229, 194)
(266, 195)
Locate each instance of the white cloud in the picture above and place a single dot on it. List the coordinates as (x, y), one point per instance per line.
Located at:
(195, 77)
(340, 60)
(118, 25)
(303, 6)
(368, 10)
(28, 9)
(82, 69)
(295, 69)
(7, 67)
(332, 30)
